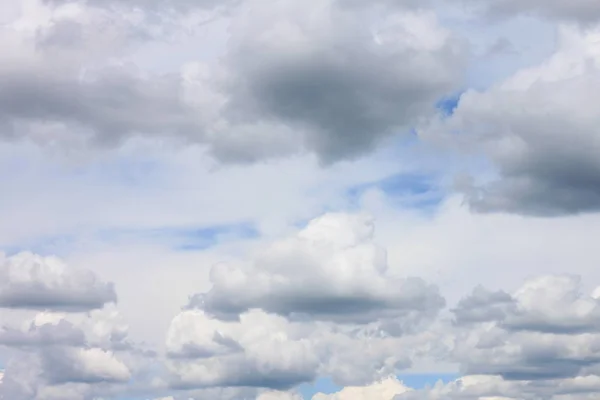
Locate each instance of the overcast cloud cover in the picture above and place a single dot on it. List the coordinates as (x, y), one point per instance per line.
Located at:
(291, 200)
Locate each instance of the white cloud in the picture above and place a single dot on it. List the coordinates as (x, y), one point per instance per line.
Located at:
(86, 365)
(30, 281)
(260, 350)
(330, 270)
(386, 389)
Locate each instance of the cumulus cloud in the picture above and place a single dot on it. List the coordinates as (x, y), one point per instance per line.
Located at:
(539, 129)
(548, 304)
(29, 281)
(541, 341)
(334, 80)
(383, 390)
(329, 73)
(267, 351)
(81, 365)
(331, 270)
(319, 302)
(62, 333)
(259, 351)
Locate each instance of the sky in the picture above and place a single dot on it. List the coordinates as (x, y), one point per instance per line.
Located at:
(292, 200)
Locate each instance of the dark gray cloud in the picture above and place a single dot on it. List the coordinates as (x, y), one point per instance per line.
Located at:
(335, 80)
(114, 106)
(28, 281)
(547, 305)
(344, 83)
(539, 129)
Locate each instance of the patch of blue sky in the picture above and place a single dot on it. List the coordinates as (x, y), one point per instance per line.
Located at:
(46, 246)
(409, 190)
(447, 105)
(136, 172)
(415, 381)
(421, 381)
(176, 238)
(184, 238)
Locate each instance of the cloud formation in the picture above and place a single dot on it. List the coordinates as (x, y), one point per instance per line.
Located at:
(331, 271)
(385, 389)
(119, 125)
(539, 130)
(29, 281)
(293, 79)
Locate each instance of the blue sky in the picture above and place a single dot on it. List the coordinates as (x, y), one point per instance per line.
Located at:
(415, 381)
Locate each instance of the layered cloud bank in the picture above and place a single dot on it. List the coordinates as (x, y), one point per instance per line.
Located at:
(538, 341)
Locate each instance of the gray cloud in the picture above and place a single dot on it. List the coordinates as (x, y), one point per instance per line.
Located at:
(482, 306)
(79, 365)
(109, 109)
(29, 281)
(486, 387)
(582, 11)
(539, 129)
(340, 83)
(61, 334)
(151, 5)
(331, 82)
(258, 351)
(329, 271)
(548, 329)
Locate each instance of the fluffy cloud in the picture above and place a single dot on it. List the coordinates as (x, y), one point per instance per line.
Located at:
(541, 341)
(29, 281)
(341, 81)
(62, 333)
(383, 390)
(259, 351)
(334, 80)
(267, 351)
(548, 304)
(331, 270)
(84, 365)
(550, 330)
(320, 302)
(540, 130)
